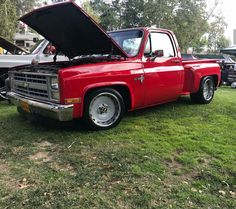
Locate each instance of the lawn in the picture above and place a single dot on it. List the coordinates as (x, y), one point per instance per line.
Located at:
(177, 155)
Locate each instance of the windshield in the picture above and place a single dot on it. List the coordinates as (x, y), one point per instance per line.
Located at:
(129, 41)
(36, 47)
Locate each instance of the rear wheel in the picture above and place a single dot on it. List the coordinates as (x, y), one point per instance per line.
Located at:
(104, 108)
(206, 91)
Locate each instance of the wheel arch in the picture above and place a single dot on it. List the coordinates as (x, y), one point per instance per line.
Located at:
(199, 81)
(199, 96)
(122, 88)
(216, 80)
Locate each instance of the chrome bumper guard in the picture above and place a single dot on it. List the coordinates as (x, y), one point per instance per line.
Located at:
(50, 110)
(3, 92)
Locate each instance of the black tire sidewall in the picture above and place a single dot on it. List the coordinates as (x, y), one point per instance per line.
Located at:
(199, 97)
(89, 98)
(204, 80)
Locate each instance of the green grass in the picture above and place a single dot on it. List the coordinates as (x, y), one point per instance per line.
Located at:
(177, 155)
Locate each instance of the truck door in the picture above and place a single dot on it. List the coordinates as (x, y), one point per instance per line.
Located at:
(162, 68)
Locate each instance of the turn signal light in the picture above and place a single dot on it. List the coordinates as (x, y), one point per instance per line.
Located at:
(72, 100)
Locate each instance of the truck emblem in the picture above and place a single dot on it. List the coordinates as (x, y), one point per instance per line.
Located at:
(25, 85)
(140, 78)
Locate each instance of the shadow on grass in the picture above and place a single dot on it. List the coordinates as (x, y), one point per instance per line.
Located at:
(78, 125)
(182, 101)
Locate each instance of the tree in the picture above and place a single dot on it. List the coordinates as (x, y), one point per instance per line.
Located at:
(10, 11)
(199, 45)
(133, 14)
(88, 8)
(109, 13)
(186, 18)
(8, 19)
(190, 22)
(24, 6)
(216, 39)
(222, 42)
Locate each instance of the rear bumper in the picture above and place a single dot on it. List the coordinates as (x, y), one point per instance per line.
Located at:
(50, 110)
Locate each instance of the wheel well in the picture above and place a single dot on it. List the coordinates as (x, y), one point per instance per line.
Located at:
(215, 77)
(123, 90)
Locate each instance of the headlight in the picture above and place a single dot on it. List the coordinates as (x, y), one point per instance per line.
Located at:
(54, 83)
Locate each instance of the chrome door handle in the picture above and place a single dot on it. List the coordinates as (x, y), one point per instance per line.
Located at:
(175, 61)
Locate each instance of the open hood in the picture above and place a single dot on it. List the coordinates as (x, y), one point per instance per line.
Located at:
(71, 30)
(10, 47)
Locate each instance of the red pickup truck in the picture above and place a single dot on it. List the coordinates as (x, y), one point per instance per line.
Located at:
(108, 73)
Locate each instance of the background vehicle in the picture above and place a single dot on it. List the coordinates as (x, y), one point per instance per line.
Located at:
(43, 51)
(228, 65)
(10, 47)
(113, 73)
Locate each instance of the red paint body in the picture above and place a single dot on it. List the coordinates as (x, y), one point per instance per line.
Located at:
(165, 79)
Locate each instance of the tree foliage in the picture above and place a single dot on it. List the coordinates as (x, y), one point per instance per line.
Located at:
(187, 18)
(88, 8)
(109, 13)
(24, 6)
(8, 18)
(216, 39)
(10, 11)
(199, 45)
(190, 22)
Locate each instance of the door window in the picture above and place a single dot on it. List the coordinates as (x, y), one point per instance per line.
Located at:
(162, 41)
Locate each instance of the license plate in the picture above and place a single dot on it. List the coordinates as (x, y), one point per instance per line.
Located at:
(25, 106)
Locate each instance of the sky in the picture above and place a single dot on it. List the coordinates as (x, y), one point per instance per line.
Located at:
(228, 9)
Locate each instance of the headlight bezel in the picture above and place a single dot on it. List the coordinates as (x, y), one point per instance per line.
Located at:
(54, 83)
(54, 88)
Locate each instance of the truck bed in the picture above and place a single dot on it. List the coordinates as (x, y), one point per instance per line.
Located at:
(199, 61)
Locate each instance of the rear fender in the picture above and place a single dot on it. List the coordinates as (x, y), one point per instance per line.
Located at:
(195, 73)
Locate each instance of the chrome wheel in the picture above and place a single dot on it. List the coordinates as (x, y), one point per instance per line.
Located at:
(208, 89)
(105, 109)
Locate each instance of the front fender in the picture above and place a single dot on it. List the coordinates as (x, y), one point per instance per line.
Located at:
(94, 86)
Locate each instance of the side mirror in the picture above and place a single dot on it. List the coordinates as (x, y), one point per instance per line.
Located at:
(157, 53)
(50, 50)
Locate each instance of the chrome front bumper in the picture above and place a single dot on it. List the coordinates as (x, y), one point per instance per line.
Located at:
(50, 110)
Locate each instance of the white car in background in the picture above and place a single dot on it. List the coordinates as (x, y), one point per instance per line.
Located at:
(41, 52)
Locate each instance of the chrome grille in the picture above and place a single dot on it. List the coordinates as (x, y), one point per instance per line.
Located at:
(30, 78)
(31, 85)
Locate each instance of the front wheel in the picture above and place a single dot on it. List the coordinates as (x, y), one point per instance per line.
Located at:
(206, 91)
(104, 108)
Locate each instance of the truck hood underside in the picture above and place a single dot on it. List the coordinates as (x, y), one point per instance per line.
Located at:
(71, 30)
